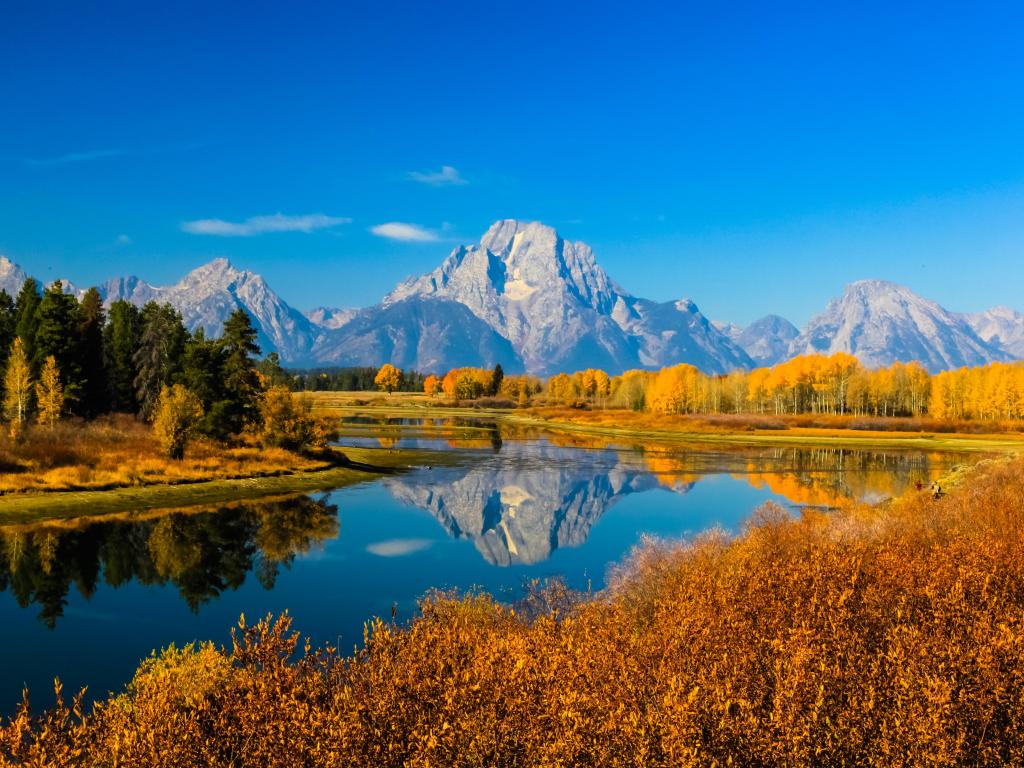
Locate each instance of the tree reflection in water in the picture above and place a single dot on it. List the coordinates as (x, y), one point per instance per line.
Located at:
(201, 553)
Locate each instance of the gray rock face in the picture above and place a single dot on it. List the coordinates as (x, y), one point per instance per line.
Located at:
(206, 296)
(330, 318)
(1001, 327)
(767, 340)
(560, 310)
(530, 502)
(424, 334)
(881, 322)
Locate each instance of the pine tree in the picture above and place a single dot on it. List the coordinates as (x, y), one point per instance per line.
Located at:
(57, 333)
(49, 393)
(8, 322)
(94, 398)
(121, 337)
(25, 320)
(202, 371)
(497, 376)
(17, 387)
(159, 354)
(241, 381)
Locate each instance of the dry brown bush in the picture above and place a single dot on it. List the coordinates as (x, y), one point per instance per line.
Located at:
(870, 636)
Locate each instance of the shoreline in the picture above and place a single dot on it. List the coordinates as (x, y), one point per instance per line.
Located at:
(364, 465)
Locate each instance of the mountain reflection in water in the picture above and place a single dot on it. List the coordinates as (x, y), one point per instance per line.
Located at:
(516, 500)
(536, 496)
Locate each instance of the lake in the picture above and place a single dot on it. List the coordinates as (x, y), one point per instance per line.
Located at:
(86, 600)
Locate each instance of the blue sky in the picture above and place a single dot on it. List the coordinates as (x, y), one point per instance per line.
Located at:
(753, 157)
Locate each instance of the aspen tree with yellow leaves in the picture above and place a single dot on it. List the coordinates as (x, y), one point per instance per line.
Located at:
(49, 394)
(17, 387)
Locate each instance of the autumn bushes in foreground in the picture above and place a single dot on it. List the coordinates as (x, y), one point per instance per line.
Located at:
(868, 636)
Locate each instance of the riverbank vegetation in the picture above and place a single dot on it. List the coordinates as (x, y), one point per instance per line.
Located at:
(216, 411)
(870, 635)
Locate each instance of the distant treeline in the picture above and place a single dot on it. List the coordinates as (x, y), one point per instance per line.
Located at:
(347, 380)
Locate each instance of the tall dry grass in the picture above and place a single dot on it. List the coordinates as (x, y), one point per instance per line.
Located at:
(118, 451)
(870, 636)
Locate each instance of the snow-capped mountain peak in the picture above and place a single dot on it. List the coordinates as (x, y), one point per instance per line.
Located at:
(881, 322)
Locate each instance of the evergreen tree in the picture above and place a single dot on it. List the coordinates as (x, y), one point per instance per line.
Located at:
(497, 376)
(202, 373)
(8, 322)
(94, 398)
(159, 354)
(25, 321)
(121, 337)
(272, 372)
(241, 382)
(58, 322)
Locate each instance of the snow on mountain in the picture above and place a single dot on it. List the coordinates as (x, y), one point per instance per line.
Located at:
(1001, 327)
(329, 317)
(11, 277)
(207, 295)
(881, 322)
(561, 311)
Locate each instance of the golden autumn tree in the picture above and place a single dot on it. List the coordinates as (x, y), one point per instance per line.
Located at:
(432, 385)
(388, 378)
(17, 387)
(177, 413)
(49, 393)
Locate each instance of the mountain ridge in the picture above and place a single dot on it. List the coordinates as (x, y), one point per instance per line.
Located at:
(529, 299)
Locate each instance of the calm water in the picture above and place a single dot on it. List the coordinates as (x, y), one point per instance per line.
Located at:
(87, 602)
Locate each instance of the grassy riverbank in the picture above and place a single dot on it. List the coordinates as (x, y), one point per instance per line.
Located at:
(210, 475)
(632, 426)
(888, 635)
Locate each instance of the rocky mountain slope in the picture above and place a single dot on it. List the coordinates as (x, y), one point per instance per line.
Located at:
(881, 322)
(561, 311)
(1001, 327)
(766, 341)
(207, 295)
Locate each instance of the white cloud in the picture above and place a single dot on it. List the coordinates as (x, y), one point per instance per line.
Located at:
(124, 240)
(398, 547)
(446, 177)
(407, 233)
(258, 225)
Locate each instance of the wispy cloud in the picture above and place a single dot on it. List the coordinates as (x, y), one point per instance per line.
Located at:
(124, 240)
(398, 547)
(406, 233)
(446, 177)
(75, 157)
(258, 225)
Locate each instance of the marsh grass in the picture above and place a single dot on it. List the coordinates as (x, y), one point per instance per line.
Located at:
(889, 635)
(119, 451)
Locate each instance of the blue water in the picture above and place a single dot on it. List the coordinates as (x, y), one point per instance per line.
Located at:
(88, 604)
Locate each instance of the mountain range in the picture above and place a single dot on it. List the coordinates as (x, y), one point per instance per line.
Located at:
(532, 301)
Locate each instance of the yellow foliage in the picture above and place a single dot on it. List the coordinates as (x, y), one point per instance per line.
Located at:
(388, 378)
(49, 394)
(177, 413)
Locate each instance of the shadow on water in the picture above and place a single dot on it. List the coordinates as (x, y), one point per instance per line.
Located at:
(200, 554)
